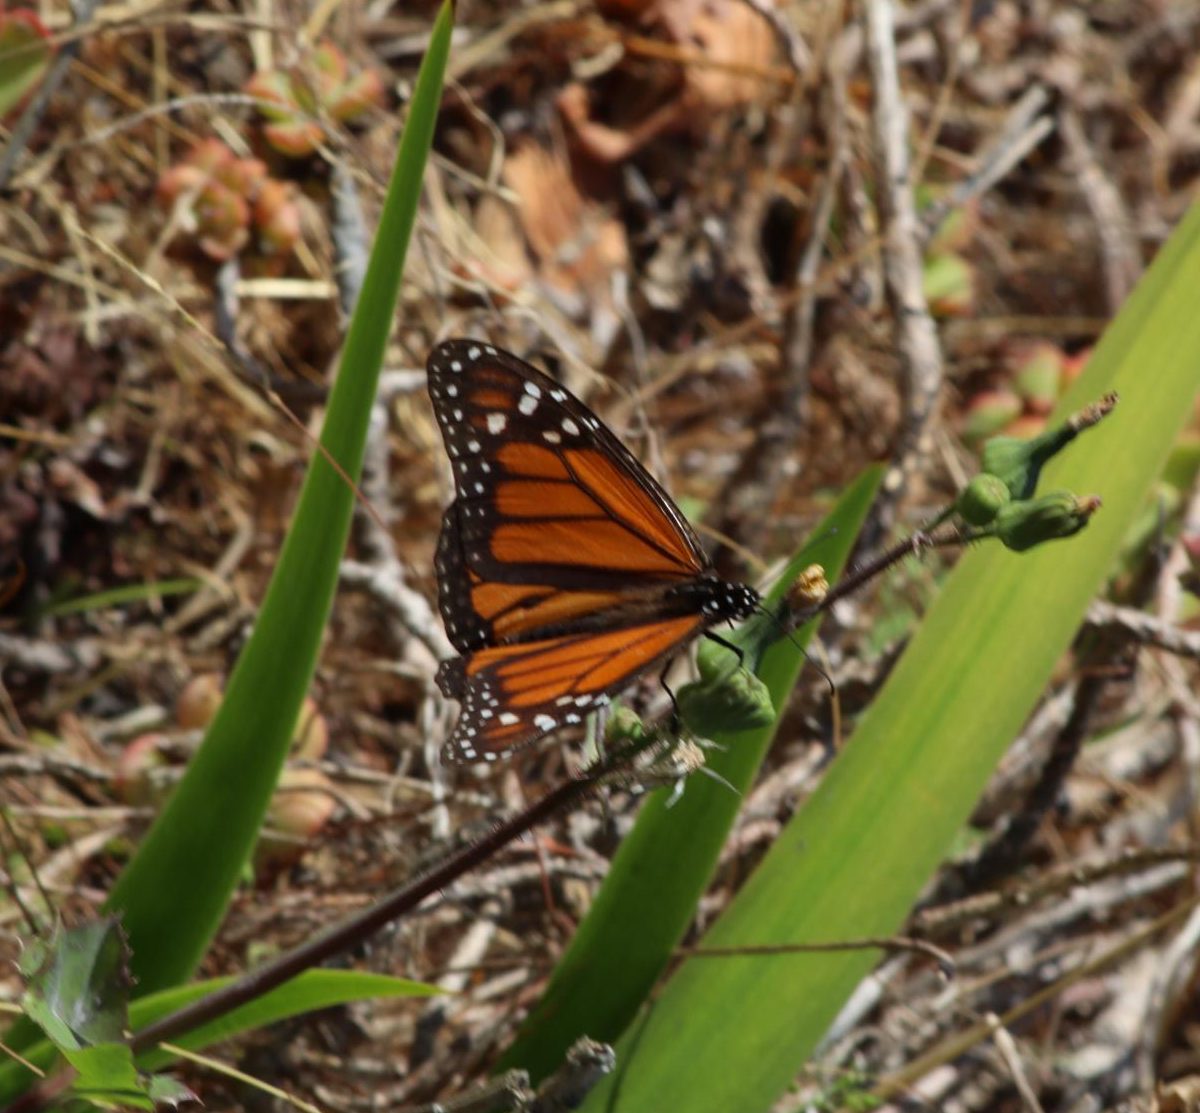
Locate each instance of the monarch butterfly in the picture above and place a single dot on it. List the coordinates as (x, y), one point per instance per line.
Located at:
(564, 570)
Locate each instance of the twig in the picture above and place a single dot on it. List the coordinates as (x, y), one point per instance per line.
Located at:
(916, 335)
(912, 545)
(1118, 244)
(1024, 129)
(868, 943)
(82, 11)
(942, 920)
(350, 239)
(587, 1062)
(1144, 629)
(410, 608)
(42, 656)
(381, 572)
(353, 930)
(226, 305)
(1174, 975)
(752, 488)
(510, 1093)
(1007, 1047)
(798, 55)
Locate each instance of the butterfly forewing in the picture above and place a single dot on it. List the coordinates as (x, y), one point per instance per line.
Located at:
(543, 484)
(564, 569)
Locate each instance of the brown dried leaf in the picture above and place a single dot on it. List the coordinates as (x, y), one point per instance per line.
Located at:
(1180, 1096)
(576, 243)
(505, 265)
(731, 33)
(612, 145)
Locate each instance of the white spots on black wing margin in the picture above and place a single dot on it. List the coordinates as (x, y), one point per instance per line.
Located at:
(569, 427)
(552, 436)
(497, 423)
(527, 404)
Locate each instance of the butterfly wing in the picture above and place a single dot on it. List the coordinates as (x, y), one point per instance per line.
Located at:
(514, 694)
(555, 520)
(554, 557)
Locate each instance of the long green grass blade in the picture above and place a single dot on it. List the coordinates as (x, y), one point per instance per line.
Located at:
(172, 895)
(665, 863)
(728, 1035)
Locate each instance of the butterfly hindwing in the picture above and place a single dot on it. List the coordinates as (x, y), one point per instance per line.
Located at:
(512, 695)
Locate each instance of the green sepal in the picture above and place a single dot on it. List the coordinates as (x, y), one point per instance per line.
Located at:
(980, 501)
(727, 697)
(1059, 514)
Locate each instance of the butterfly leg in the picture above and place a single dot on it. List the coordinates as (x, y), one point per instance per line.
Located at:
(676, 718)
(736, 650)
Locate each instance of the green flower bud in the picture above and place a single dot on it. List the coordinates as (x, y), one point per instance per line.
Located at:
(1018, 463)
(1022, 525)
(726, 698)
(980, 500)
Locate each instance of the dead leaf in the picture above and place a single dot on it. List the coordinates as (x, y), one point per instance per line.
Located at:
(1180, 1096)
(576, 243)
(728, 33)
(612, 145)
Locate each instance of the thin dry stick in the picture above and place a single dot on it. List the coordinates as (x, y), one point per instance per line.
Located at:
(82, 11)
(381, 572)
(1007, 1047)
(1173, 977)
(1118, 243)
(1023, 130)
(948, 918)
(867, 943)
(916, 335)
(1143, 628)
